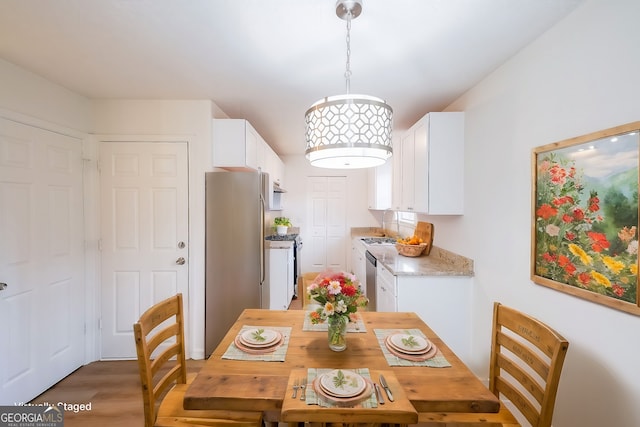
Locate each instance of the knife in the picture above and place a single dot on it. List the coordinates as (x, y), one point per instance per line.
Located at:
(386, 388)
(378, 394)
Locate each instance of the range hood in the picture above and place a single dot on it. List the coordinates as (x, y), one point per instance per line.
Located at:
(277, 189)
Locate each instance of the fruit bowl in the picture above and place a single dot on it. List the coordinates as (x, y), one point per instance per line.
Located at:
(410, 250)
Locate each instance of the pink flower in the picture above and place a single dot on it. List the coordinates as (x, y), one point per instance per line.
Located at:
(334, 287)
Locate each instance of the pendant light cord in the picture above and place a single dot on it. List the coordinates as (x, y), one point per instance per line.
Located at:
(347, 73)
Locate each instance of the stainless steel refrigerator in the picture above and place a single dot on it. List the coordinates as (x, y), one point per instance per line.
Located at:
(236, 217)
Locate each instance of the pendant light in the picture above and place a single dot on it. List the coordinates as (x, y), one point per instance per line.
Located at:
(348, 131)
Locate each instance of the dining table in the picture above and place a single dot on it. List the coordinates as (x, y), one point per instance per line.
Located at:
(233, 380)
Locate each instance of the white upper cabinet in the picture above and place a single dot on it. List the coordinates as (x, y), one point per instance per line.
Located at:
(235, 144)
(431, 166)
(274, 166)
(396, 181)
(379, 180)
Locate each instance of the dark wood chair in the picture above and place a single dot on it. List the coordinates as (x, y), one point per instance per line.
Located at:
(159, 336)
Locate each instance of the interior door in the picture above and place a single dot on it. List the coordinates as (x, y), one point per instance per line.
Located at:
(144, 232)
(41, 260)
(326, 201)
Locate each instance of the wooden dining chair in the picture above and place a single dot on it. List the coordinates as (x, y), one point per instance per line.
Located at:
(159, 337)
(526, 360)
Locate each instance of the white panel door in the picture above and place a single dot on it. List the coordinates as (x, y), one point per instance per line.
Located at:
(315, 251)
(326, 201)
(144, 194)
(41, 260)
(336, 223)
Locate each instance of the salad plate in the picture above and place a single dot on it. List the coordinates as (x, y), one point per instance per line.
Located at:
(342, 383)
(411, 344)
(260, 337)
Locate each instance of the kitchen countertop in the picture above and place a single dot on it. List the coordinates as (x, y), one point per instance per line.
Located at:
(439, 262)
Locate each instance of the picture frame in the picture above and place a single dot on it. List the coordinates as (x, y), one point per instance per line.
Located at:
(584, 226)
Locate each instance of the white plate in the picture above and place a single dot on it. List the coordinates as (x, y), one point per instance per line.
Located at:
(409, 343)
(259, 337)
(342, 383)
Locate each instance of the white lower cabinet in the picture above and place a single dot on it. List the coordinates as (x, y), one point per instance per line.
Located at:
(359, 263)
(279, 288)
(442, 302)
(386, 290)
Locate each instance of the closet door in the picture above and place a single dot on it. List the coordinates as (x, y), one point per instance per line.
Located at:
(41, 260)
(327, 211)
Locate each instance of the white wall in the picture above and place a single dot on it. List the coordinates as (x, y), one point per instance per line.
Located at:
(579, 77)
(30, 95)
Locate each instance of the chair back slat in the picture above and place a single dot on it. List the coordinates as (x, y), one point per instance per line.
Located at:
(526, 361)
(520, 400)
(527, 381)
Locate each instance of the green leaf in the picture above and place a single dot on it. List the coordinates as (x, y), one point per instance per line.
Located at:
(339, 380)
(257, 335)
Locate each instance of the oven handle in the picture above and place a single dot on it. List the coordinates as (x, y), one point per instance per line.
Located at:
(372, 259)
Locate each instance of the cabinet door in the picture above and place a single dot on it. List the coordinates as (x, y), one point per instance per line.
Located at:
(277, 280)
(408, 168)
(252, 140)
(445, 185)
(396, 192)
(421, 166)
(379, 182)
(385, 290)
(235, 144)
(359, 264)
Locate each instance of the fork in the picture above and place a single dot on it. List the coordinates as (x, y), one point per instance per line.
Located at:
(303, 387)
(295, 389)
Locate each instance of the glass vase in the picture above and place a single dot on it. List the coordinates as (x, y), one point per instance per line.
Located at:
(337, 328)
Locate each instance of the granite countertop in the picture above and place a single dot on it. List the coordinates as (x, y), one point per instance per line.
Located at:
(439, 262)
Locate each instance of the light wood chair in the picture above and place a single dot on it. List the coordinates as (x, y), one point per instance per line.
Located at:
(307, 279)
(159, 336)
(526, 360)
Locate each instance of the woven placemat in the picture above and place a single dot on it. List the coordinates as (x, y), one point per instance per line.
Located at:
(312, 398)
(278, 355)
(437, 361)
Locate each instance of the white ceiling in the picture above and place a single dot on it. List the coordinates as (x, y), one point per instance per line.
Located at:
(269, 60)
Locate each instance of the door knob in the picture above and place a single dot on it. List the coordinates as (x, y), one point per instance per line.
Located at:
(3, 286)
(180, 261)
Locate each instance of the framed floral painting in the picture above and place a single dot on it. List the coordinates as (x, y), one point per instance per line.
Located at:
(585, 217)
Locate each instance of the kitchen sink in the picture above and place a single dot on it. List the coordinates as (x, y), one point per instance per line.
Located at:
(379, 240)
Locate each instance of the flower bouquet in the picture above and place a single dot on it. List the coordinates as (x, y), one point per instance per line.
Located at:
(339, 296)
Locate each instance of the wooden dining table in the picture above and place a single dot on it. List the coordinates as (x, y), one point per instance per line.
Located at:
(267, 385)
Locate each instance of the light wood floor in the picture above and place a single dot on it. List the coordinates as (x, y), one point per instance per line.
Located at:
(113, 390)
(111, 387)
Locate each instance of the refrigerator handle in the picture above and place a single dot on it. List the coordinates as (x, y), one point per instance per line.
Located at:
(262, 260)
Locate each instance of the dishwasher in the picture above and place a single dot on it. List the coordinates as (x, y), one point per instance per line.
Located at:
(371, 280)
